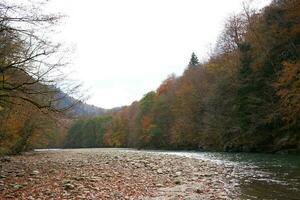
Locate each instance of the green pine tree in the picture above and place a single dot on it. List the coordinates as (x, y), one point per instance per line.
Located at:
(194, 60)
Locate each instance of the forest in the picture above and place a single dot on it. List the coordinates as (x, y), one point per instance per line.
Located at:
(244, 97)
(33, 107)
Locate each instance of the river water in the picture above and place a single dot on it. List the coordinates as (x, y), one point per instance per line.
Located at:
(257, 176)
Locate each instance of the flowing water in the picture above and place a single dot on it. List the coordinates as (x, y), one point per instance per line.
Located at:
(258, 176)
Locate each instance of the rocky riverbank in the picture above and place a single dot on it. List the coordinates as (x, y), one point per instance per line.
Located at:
(111, 174)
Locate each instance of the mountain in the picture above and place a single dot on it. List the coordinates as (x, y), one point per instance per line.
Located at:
(86, 110)
(79, 108)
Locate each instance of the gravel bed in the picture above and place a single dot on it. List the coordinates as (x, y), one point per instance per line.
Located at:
(111, 174)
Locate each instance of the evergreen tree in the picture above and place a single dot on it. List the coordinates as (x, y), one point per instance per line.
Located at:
(194, 60)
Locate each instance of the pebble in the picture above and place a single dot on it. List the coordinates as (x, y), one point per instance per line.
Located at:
(111, 174)
(35, 172)
(159, 185)
(68, 186)
(5, 159)
(17, 186)
(178, 173)
(199, 190)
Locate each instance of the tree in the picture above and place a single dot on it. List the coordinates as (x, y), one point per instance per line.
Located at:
(194, 60)
(87, 133)
(288, 89)
(30, 64)
(244, 98)
(233, 34)
(31, 74)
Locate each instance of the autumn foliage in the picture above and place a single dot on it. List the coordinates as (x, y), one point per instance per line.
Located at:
(30, 73)
(244, 98)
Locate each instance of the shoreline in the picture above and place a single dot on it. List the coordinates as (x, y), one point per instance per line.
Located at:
(279, 152)
(112, 174)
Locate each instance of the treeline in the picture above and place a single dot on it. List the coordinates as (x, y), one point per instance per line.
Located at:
(246, 97)
(30, 73)
(87, 133)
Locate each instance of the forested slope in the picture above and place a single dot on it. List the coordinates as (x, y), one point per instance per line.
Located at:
(246, 97)
(32, 105)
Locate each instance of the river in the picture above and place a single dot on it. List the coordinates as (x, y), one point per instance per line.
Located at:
(257, 176)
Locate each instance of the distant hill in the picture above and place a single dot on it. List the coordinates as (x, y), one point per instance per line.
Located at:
(79, 108)
(61, 100)
(84, 109)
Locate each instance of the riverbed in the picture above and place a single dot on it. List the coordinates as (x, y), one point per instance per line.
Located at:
(150, 175)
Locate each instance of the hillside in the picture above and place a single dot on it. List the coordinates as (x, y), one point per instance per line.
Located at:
(77, 107)
(246, 97)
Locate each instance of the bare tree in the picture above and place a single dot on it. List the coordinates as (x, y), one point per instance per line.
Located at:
(233, 34)
(31, 65)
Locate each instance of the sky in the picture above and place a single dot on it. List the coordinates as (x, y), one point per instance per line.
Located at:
(124, 49)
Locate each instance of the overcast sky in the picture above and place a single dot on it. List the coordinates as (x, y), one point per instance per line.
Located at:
(126, 48)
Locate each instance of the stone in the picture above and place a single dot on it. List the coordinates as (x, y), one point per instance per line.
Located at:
(81, 178)
(48, 192)
(17, 186)
(134, 174)
(66, 182)
(159, 185)
(118, 195)
(20, 174)
(35, 172)
(178, 173)
(68, 186)
(5, 159)
(199, 190)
